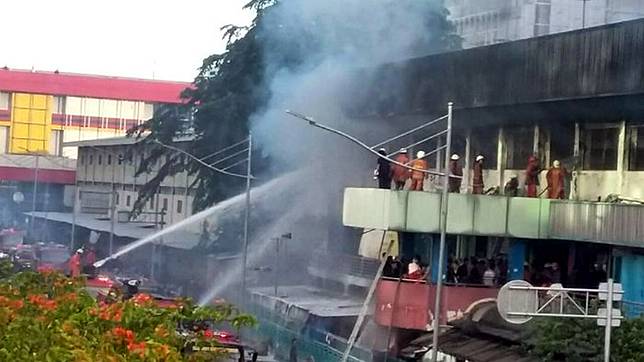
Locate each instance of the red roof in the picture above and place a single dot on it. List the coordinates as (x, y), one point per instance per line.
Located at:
(95, 86)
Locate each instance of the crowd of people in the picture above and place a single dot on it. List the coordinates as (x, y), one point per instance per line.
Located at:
(405, 171)
(473, 270)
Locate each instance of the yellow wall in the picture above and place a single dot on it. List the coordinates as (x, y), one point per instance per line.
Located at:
(30, 123)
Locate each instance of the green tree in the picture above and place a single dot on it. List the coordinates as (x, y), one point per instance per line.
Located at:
(232, 86)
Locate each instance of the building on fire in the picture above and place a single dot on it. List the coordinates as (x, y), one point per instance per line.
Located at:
(576, 97)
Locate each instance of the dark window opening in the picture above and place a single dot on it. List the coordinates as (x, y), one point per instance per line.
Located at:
(127, 200)
(600, 148)
(91, 159)
(165, 204)
(118, 199)
(179, 206)
(109, 159)
(519, 143)
(562, 144)
(120, 159)
(100, 159)
(636, 148)
(485, 142)
(82, 159)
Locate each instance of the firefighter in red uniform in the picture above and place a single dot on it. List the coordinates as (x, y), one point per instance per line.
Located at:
(75, 264)
(417, 176)
(556, 177)
(477, 176)
(400, 174)
(454, 169)
(532, 176)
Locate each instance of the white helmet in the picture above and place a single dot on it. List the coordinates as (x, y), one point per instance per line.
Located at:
(133, 282)
(455, 157)
(420, 154)
(79, 251)
(403, 150)
(479, 158)
(556, 164)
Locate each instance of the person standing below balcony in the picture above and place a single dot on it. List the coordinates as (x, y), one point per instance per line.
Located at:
(383, 171)
(556, 177)
(74, 264)
(417, 175)
(532, 176)
(455, 170)
(477, 176)
(400, 174)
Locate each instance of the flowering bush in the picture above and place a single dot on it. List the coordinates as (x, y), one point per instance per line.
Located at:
(48, 317)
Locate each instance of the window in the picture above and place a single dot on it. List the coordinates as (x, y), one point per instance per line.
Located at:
(485, 141)
(109, 159)
(100, 159)
(600, 148)
(519, 143)
(562, 143)
(152, 203)
(118, 198)
(82, 159)
(165, 204)
(179, 206)
(120, 159)
(127, 200)
(636, 148)
(5, 99)
(59, 105)
(91, 159)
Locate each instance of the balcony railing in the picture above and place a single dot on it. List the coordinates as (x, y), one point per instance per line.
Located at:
(518, 217)
(410, 304)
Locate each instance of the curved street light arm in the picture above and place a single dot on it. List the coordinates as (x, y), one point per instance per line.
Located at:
(313, 123)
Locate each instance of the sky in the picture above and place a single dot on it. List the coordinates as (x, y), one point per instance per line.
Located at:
(160, 39)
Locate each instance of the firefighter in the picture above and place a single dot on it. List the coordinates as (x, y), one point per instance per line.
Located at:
(556, 177)
(532, 176)
(400, 174)
(75, 264)
(454, 183)
(383, 172)
(477, 175)
(417, 176)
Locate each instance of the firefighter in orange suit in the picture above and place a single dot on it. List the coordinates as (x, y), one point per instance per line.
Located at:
(418, 177)
(477, 176)
(532, 176)
(75, 264)
(556, 177)
(400, 174)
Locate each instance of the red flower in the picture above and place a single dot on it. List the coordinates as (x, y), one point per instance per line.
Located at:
(137, 348)
(208, 333)
(141, 298)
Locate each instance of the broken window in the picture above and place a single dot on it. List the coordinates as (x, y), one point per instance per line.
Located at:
(485, 142)
(519, 143)
(636, 148)
(600, 148)
(562, 143)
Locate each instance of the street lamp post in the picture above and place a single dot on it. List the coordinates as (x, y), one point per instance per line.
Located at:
(441, 249)
(246, 212)
(33, 197)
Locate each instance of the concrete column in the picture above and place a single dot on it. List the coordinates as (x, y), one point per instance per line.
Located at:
(467, 164)
(501, 157)
(516, 258)
(535, 141)
(621, 157)
(434, 267)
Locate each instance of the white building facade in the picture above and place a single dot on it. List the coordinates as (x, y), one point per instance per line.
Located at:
(485, 22)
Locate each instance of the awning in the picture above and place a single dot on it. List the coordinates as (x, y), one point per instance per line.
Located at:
(177, 239)
(480, 349)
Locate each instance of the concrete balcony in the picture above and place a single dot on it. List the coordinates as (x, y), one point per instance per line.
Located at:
(410, 305)
(518, 217)
(414, 211)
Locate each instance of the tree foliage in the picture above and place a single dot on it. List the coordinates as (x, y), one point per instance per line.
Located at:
(49, 317)
(232, 86)
(577, 340)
